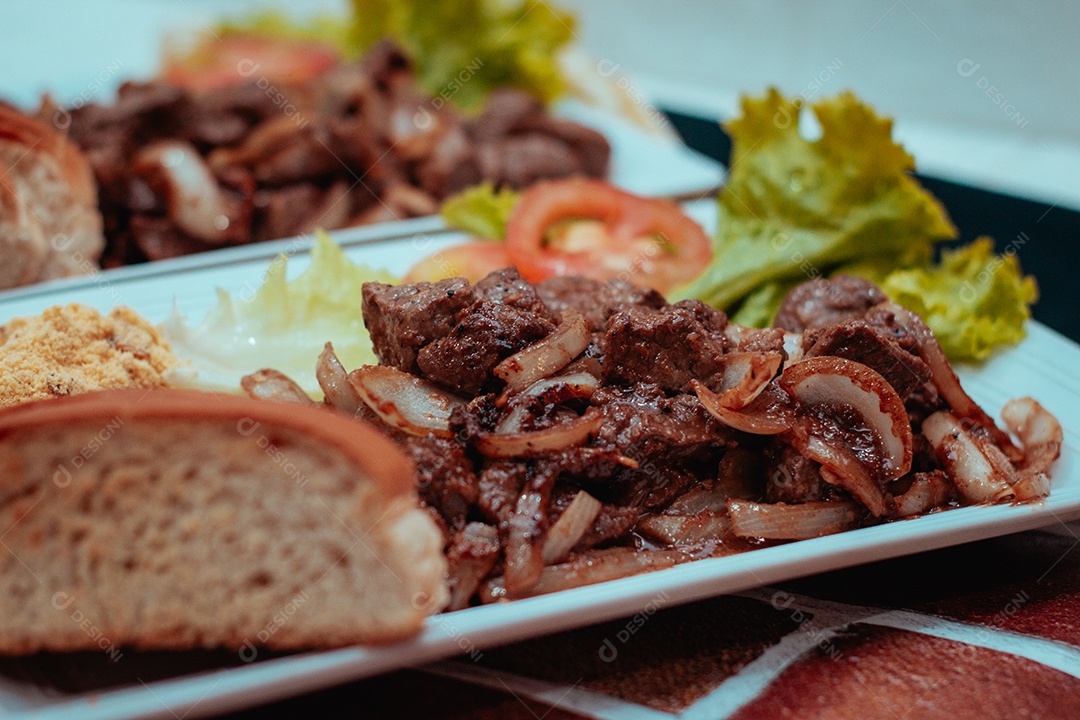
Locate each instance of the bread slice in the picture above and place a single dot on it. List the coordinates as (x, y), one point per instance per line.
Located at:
(177, 519)
(50, 226)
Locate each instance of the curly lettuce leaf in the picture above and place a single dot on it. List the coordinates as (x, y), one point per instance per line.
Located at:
(793, 208)
(461, 50)
(759, 308)
(283, 324)
(973, 300)
(481, 210)
(464, 49)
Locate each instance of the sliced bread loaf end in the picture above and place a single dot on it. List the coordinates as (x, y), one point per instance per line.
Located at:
(174, 519)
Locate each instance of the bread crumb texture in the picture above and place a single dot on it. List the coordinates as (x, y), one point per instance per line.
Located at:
(74, 349)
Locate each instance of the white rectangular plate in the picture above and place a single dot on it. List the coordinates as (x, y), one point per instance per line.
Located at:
(1043, 366)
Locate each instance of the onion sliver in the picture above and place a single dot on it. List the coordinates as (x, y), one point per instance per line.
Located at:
(573, 385)
(703, 527)
(594, 567)
(571, 525)
(334, 382)
(927, 491)
(546, 357)
(790, 522)
(404, 401)
(1039, 432)
(194, 197)
(745, 375)
(970, 470)
(943, 375)
(771, 421)
(536, 441)
(834, 381)
(269, 384)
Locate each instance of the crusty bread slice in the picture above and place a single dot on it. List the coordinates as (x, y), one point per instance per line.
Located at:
(179, 519)
(50, 226)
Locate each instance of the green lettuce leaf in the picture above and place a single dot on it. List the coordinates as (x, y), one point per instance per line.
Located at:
(283, 324)
(480, 210)
(973, 300)
(461, 50)
(793, 208)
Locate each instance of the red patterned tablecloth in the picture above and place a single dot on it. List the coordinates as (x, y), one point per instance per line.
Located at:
(986, 630)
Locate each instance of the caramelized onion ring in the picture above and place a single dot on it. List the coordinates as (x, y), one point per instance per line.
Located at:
(404, 401)
(270, 384)
(546, 357)
(1039, 433)
(944, 377)
(194, 196)
(530, 443)
(771, 412)
(334, 381)
(970, 470)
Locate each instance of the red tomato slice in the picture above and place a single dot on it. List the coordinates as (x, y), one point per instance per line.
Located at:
(237, 58)
(472, 261)
(648, 241)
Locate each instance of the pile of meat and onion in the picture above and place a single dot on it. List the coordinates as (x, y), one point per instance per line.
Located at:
(575, 430)
(182, 171)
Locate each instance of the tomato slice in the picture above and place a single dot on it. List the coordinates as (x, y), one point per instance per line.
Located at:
(472, 261)
(242, 57)
(589, 227)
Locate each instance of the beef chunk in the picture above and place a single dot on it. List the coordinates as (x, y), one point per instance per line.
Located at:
(501, 482)
(613, 522)
(477, 416)
(594, 299)
(505, 110)
(518, 161)
(470, 556)
(668, 347)
(791, 477)
(402, 319)
(822, 302)
(857, 340)
(444, 477)
(653, 485)
(884, 319)
(452, 165)
(487, 334)
(767, 340)
(507, 287)
(641, 422)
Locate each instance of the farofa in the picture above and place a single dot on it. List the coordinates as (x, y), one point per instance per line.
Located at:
(73, 349)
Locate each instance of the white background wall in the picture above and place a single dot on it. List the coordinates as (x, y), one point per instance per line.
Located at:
(696, 55)
(983, 92)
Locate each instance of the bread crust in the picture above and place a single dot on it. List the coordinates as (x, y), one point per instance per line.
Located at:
(366, 447)
(50, 226)
(366, 479)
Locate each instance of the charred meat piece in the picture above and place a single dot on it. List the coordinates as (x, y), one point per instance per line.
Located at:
(791, 477)
(470, 556)
(764, 341)
(366, 120)
(463, 359)
(444, 477)
(821, 302)
(641, 422)
(507, 287)
(859, 341)
(594, 299)
(612, 524)
(402, 319)
(500, 485)
(669, 347)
